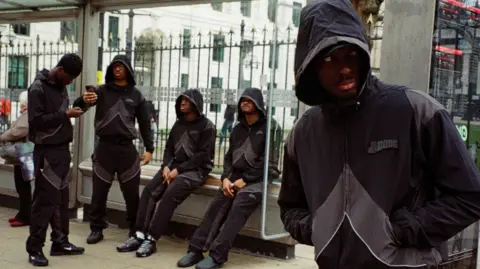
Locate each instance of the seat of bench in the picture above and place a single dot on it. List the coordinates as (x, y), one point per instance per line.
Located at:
(212, 182)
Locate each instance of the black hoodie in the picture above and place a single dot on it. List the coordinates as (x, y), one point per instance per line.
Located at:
(117, 108)
(360, 182)
(191, 144)
(245, 157)
(48, 102)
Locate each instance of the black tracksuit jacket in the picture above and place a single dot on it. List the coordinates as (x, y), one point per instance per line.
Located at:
(118, 107)
(380, 183)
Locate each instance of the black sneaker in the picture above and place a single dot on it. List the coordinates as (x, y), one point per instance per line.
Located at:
(208, 263)
(190, 259)
(94, 237)
(65, 249)
(132, 244)
(37, 259)
(147, 248)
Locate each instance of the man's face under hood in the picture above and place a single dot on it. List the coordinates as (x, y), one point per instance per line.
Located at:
(339, 71)
(247, 106)
(186, 106)
(119, 71)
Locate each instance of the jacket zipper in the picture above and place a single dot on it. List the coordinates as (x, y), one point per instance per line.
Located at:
(347, 180)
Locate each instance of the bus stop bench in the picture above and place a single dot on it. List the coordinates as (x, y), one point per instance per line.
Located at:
(190, 213)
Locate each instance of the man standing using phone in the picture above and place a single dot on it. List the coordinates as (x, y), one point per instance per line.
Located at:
(119, 103)
(51, 130)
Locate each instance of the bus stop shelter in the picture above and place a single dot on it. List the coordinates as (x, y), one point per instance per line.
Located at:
(87, 14)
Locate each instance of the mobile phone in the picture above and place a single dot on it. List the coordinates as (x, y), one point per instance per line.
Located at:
(90, 88)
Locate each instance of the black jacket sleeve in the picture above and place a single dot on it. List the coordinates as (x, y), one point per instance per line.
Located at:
(227, 161)
(169, 152)
(37, 118)
(454, 176)
(256, 172)
(145, 124)
(294, 211)
(205, 152)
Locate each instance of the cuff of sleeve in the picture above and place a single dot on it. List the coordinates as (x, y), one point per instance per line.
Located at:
(150, 150)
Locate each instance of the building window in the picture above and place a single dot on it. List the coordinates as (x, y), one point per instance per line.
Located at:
(218, 48)
(69, 31)
(17, 72)
(247, 83)
(272, 10)
(297, 8)
(217, 6)
(184, 81)
(246, 8)
(113, 32)
(21, 28)
(277, 56)
(217, 83)
(186, 43)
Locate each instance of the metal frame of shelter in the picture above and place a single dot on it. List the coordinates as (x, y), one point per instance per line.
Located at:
(87, 13)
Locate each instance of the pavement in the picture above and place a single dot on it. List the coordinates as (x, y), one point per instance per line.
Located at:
(104, 255)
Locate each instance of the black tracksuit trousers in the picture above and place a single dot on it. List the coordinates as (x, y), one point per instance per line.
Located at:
(24, 190)
(155, 222)
(50, 197)
(121, 158)
(232, 213)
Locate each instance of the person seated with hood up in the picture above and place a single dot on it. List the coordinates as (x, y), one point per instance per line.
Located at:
(119, 103)
(242, 185)
(187, 161)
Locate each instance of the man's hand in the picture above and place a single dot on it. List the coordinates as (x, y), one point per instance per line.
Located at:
(173, 174)
(74, 112)
(169, 176)
(228, 188)
(239, 184)
(165, 173)
(146, 158)
(89, 97)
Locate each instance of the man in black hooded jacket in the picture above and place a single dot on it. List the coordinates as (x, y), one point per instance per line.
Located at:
(51, 130)
(242, 185)
(187, 161)
(375, 175)
(119, 103)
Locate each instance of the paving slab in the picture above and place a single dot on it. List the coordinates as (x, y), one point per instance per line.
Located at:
(104, 255)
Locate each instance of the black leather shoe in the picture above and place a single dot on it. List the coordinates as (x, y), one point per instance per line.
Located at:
(147, 248)
(190, 259)
(208, 263)
(132, 244)
(65, 249)
(94, 237)
(37, 259)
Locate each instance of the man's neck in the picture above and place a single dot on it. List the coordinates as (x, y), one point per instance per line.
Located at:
(251, 118)
(51, 75)
(190, 116)
(121, 83)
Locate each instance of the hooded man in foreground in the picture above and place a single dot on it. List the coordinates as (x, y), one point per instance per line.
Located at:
(375, 175)
(118, 103)
(187, 161)
(242, 185)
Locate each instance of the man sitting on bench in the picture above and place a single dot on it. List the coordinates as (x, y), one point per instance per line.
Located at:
(187, 161)
(242, 185)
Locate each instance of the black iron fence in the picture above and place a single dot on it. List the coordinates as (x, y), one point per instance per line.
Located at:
(220, 64)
